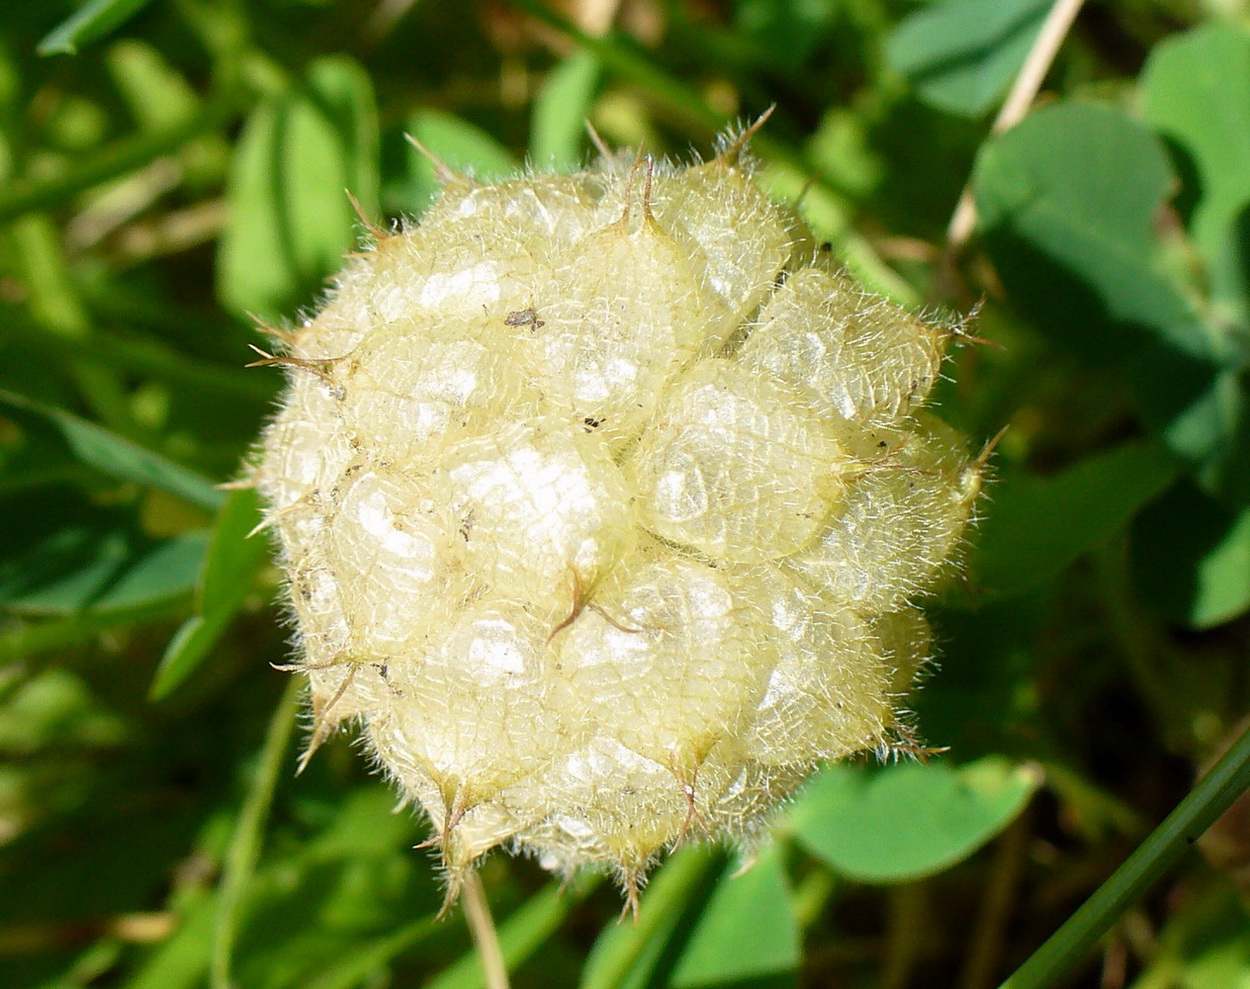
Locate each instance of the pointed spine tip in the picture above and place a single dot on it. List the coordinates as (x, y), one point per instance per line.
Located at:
(272, 332)
(733, 153)
(597, 140)
(374, 231)
(442, 171)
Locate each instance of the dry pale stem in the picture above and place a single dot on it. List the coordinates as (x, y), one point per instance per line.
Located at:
(482, 927)
(1023, 91)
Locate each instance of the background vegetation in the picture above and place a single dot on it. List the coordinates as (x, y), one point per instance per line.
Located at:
(170, 167)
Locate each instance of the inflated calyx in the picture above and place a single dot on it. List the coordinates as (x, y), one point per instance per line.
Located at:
(606, 501)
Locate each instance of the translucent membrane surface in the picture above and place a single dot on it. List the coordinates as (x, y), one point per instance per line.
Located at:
(606, 510)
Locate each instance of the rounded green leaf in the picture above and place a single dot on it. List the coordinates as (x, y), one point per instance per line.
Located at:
(1196, 89)
(1067, 202)
(1078, 168)
(902, 822)
(747, 934)
(1038, 526)
(1191, 557)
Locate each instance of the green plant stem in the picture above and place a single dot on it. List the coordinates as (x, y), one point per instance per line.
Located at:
(676, 96)
(1213, 795)
(245, 844)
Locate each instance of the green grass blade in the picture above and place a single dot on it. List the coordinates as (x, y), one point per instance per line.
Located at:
(119, 457)
(680, 98)
(91, 21)
(561, 109)
(229, 572)
(111, 161)
(245, 845)
(622, 951)
(23, 640)
(1213, 795)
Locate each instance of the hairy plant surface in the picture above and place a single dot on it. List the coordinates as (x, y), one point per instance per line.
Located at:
(606, 501)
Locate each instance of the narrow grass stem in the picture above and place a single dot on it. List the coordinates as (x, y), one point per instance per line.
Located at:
(1213, 795)
(1023, 92)
(245, 844)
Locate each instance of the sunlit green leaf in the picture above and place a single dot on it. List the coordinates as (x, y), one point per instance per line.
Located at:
(1223, 584)
(291, 221)
(962, 54)
(558, 130)
(1067, 202)
(1196, 89)
(901, 822)
(456, 143)
(746, 935)
(158, 95)
(626, 956)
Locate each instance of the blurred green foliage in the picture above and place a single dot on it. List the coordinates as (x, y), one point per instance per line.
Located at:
(173, 170)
